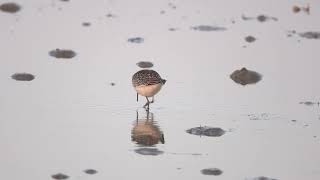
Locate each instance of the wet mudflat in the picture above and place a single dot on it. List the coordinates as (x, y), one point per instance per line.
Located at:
(212, 119)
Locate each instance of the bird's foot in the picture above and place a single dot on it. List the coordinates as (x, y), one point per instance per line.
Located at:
(146, 106)
(152, 101)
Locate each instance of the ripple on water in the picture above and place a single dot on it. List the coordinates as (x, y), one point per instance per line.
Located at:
(10, 7)
(206, 131)
(211, 171)
(23, 77)
(62, 53)
(148, 151)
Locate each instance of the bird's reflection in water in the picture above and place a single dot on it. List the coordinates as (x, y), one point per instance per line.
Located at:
(145, 131)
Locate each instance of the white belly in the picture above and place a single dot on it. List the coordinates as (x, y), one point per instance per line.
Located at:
(148, 91)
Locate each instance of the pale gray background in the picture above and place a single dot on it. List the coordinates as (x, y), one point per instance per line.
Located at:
(69, 118)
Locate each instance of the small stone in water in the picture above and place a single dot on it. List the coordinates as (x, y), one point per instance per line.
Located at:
(60, 176)
(206, 131)
(211, 171)
(90, 171)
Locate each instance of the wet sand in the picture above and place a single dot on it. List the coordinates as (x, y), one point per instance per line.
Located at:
(70, 117)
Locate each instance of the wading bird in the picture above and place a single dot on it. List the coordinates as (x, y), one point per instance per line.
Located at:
(147, 83)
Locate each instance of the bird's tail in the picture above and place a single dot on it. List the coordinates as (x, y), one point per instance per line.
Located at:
(163, 81)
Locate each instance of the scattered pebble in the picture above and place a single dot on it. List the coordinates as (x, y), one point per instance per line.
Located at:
(297, 9)
(60, 176)
(173, 29)
(309, 103)
(208, 28)
(212, 171)
(109, 15)
(293, 120)
(136, 40)
(62, 53)
(162, 12)
(10, 7)
(206, 131)
(23, 77)
(260, 18)
(149, 151)
(86, 24)
(112, 84)
(145, 64)
(310, 35)
(172, 6)
(261, 178)
(250, 39)
(262, 116)
(244, 76)
(90, 171)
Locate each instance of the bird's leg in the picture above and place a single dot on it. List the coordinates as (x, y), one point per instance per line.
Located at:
(152, 101)
(147, 104)
(137, 116)
(137, 97)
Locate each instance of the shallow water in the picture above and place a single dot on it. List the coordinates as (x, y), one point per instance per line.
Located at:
(70, 118)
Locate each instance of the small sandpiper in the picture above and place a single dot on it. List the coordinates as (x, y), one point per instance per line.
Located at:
(147, 83)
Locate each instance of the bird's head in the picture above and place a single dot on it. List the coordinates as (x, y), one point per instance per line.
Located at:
(163, 81)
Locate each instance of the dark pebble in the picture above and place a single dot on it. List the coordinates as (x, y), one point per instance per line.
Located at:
(23, 77)
(90, 171)
(136, 40)
(250, 39)
(212, 171)
(62, 53)
(60, 176)
(10, 7)
(206, 131)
